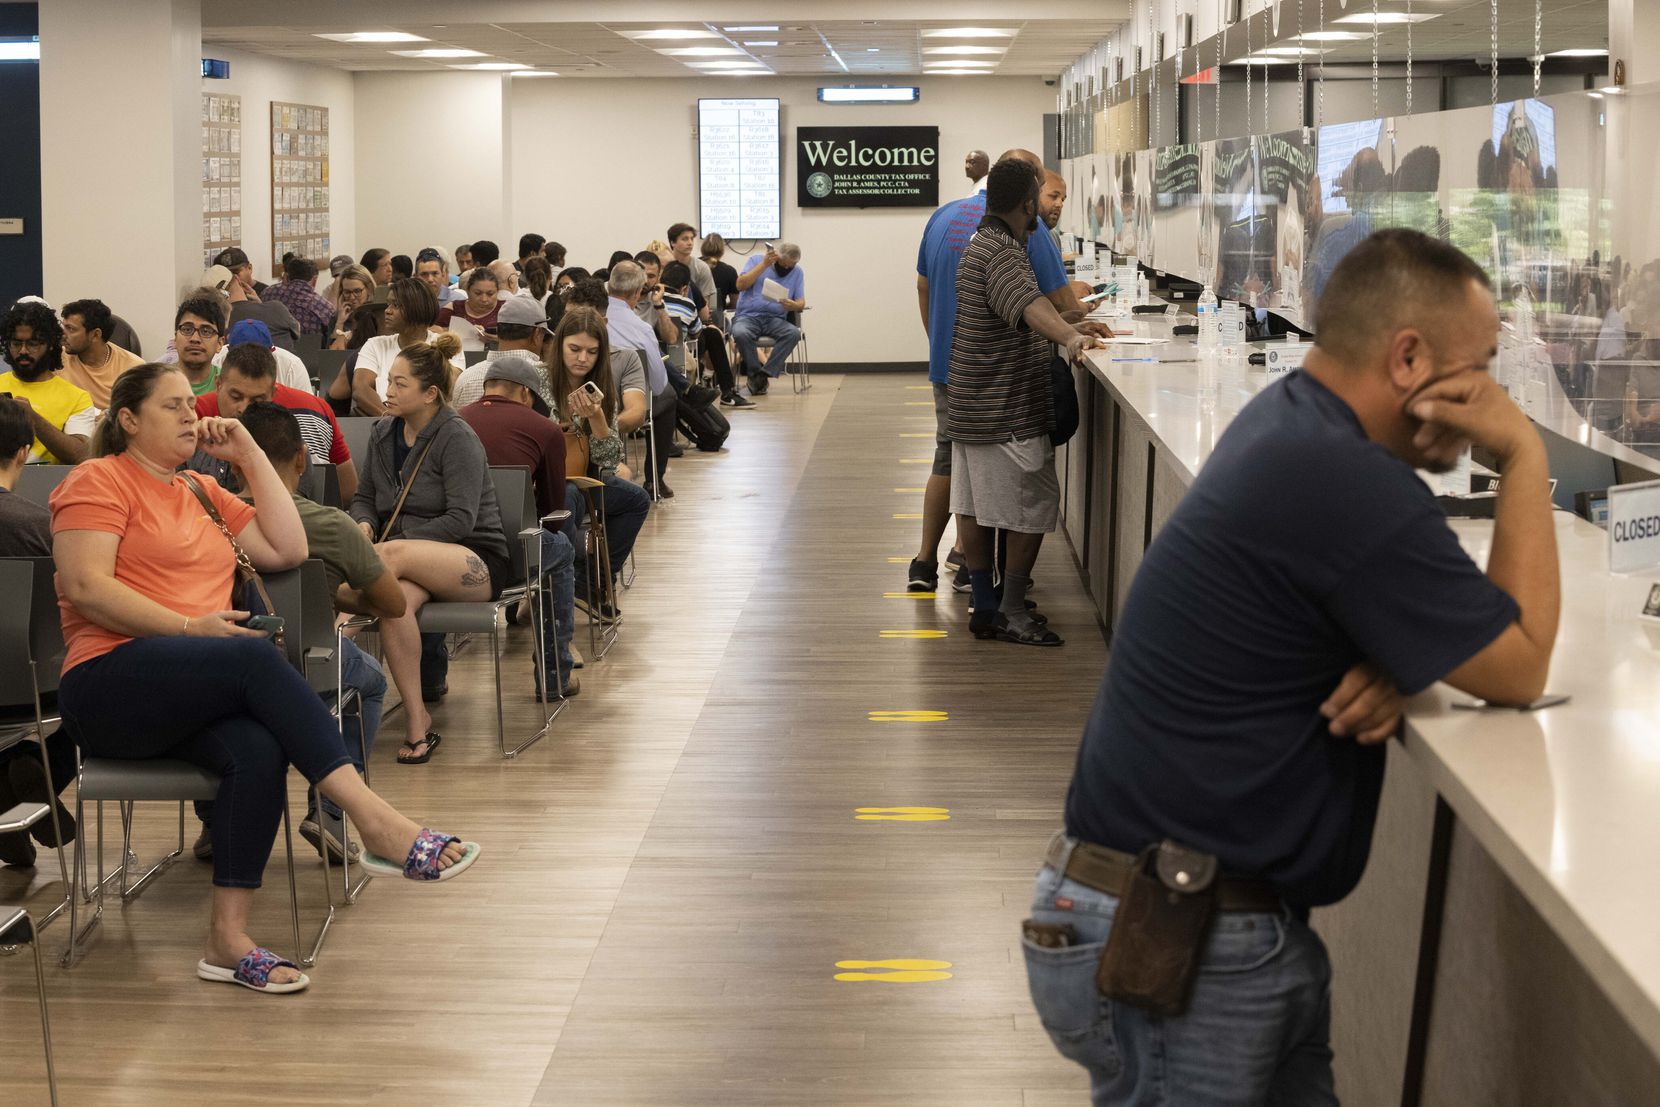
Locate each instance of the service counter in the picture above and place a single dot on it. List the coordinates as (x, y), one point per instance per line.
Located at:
(1504, 945)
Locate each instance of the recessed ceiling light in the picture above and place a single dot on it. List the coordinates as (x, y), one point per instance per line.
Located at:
(501, 66)
(964, 63)
(20, 51)
(762, 42)
(700, 51)
(731, 64)
(1333, 36)
(1291, 51)
(1261, 59)
(1577, 53)
(441, 53)
(534, 73)
(970, 32)
(374, 36)
(958, 72)
(872, 49)
(740, 30)
(668, 33)
(965, 50)
(1387, 17)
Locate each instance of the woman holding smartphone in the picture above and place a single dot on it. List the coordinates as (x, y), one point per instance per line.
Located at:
(157, 665)
(590, 403)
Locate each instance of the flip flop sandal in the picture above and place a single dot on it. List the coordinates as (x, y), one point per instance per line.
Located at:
(254, 971)
(1035, 635)
(422, 863)
(433, 740)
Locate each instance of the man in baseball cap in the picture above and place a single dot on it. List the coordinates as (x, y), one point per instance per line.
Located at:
(512, 419)
(291, 371)
(521, 328)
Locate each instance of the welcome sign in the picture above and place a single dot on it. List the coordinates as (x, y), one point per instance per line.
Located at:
(867, 167)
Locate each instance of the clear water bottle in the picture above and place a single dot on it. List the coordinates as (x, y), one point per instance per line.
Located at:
(1209, 373)
(1143, 290)
(1209, 332)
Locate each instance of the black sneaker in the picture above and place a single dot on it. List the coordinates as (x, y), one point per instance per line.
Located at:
(433, 695)
(674, 451)
(960, 581)
(660, 491)
(925, 576)
(733, 399)
(758, 385)
(954, 560)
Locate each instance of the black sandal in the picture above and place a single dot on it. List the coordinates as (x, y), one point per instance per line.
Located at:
(432, 741)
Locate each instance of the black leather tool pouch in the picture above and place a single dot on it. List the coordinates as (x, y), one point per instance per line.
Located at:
(1158, 934)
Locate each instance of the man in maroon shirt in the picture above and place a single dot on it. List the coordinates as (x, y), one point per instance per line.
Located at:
(512, 422)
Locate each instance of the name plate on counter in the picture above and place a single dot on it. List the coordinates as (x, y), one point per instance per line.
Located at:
(1634, 527)
(1283, 359)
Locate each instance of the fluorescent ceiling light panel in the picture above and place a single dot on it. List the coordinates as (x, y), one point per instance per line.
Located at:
(958, 72)
(761, 42)
(1577, 53)
(19, 51)
(964, 63)
(752, 27)
(668, 34)
(1291, 51)
(727, 64)
(534, 73)
(375, 36)
(965, 51)
(1333, 36)
(441, 53)
(970, 32)
(1388, 17)
(905, 95)
(499, 66)
(700, 51)
(1262, 59)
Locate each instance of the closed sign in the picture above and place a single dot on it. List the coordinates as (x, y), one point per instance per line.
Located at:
(1634, 527)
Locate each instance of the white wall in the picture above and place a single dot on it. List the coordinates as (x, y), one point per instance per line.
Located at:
(429, 161)
(260, 80)
(609, 165)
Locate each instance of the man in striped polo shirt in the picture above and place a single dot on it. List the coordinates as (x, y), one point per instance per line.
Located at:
(999, 410)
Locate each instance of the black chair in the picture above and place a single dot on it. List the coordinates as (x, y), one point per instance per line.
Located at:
(31, 654)
(325, 484)
(523, 531)
(308, 343)
(324, 366)
(355, 429)
(475, 356)
(36, 482)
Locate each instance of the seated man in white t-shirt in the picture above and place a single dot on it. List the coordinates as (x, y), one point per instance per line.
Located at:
(521, 328)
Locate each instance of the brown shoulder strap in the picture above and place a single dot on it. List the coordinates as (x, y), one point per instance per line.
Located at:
(244, 564)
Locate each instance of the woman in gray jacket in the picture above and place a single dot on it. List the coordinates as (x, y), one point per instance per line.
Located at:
(444, 539)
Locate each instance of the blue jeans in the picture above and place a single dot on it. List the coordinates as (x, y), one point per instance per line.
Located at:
(558, 561)
(784, 334)
(361, 671)
(1256, 1030)
(233, 706)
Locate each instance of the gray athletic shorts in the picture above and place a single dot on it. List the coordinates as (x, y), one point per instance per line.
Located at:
(942, 444)
(1007, 485)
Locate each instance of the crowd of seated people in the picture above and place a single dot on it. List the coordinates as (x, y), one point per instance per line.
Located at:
(565, 367)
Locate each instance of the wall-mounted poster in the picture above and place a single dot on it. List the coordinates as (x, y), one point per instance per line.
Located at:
(221, 173)
(300, 181)
(867, 167)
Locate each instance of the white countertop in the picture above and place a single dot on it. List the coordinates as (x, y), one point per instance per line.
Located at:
(1565, 800)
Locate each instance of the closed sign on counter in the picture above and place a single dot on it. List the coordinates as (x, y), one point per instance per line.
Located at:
(1634, 527)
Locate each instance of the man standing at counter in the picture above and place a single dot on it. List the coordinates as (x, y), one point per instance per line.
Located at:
(999, 408)
(1230, 770)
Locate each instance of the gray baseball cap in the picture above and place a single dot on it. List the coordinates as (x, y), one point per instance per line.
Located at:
(519, 370)
(521, 311)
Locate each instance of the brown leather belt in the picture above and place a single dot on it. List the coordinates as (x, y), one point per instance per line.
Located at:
(1107, 870)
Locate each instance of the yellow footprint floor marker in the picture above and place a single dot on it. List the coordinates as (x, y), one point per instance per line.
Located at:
(907, 595)
(915, 434)
(916, 461)
(900, 560)
(902, 814)
(906, 490)
(911, 633)
(919, 388)
(907, 515)
(902, 970)
(919, 403)
(911, 716)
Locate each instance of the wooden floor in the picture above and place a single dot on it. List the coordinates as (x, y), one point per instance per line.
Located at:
(671, 878)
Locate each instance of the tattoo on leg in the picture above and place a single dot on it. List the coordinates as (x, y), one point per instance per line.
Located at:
(476, 572)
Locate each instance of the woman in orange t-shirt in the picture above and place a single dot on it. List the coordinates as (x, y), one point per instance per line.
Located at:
(158, 667)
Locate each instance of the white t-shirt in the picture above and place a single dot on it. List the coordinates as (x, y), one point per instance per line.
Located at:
(291, 371)
(381, 351)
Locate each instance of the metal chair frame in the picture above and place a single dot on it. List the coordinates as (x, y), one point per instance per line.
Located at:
(17, 926)
(597, 555)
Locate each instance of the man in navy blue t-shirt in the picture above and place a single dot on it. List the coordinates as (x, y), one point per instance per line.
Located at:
(1305, 583)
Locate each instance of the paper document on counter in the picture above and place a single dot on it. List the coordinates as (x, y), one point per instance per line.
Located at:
(772, 290)
(1132, 340)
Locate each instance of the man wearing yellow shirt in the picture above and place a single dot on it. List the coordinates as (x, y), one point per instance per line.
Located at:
(62, 415)
(91, 360)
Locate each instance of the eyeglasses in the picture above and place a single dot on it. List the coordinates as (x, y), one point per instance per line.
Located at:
(188, 330)
(36, 344)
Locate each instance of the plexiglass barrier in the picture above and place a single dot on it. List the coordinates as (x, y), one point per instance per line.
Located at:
(1558, 198)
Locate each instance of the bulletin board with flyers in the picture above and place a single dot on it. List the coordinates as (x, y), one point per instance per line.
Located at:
(221, 173)
(300, 181)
